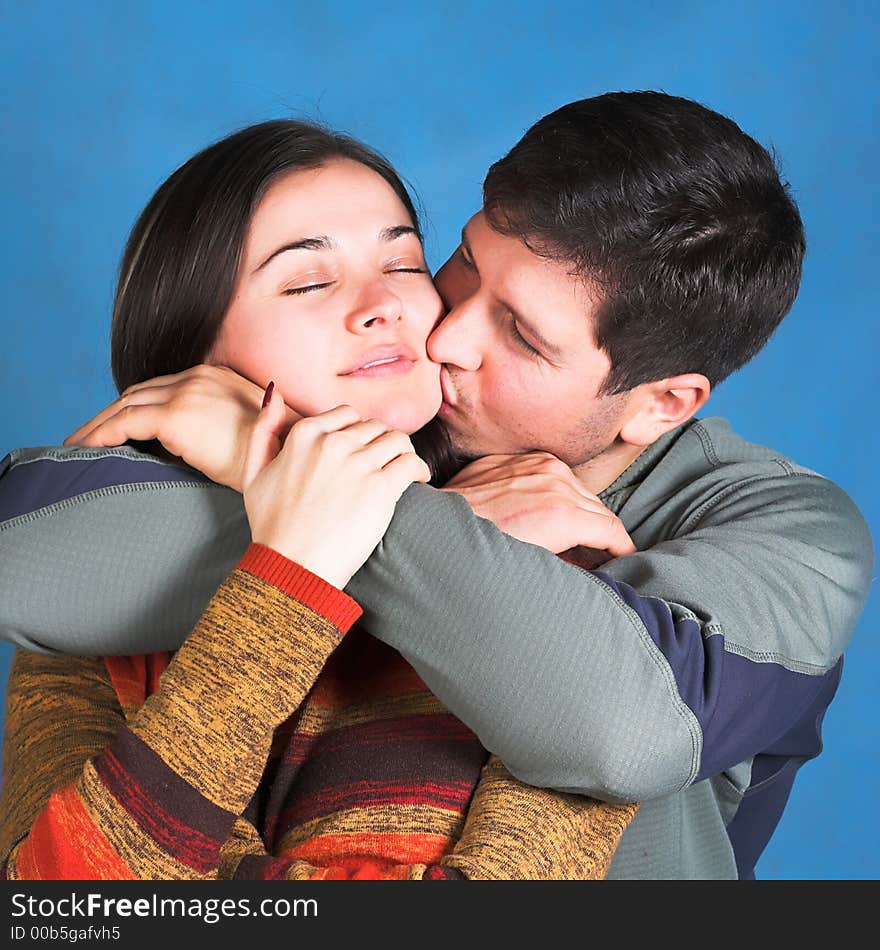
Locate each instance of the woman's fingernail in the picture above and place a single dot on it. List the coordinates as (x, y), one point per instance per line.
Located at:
(269, 390)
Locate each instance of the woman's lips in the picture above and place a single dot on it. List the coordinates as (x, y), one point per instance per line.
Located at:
(383, 361)
(399, 366)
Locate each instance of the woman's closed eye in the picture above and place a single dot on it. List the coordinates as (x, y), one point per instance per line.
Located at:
(395, 267)
(404, 266)
(306, 288)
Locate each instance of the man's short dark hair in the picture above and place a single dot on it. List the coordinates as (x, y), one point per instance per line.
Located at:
(673, 213)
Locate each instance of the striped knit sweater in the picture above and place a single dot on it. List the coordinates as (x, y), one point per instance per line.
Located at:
(273, 744)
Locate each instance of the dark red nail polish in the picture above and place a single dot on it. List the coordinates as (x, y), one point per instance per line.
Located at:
(269, 389)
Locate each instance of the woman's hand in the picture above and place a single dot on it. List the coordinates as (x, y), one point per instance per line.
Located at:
(537, 498)
(324, 494)
(204, 416)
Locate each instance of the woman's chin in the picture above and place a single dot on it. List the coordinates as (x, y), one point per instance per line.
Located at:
(407, 422)
(405, 413)
(406, 418)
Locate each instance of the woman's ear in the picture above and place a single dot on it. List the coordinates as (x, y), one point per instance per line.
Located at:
(663, 405)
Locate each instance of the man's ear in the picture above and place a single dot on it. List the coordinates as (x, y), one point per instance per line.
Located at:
(663, 405)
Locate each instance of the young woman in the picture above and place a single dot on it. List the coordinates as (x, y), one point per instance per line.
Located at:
(278, 742)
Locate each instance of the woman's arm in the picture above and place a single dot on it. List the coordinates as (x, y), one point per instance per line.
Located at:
(60, 711)
(161, 799)
(512, 832)
(89, 794)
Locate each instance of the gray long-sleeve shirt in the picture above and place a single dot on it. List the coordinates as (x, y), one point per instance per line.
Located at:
(691, 676)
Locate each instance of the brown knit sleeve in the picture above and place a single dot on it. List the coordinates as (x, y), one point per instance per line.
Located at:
(60, 711)
(515, 831)
(90, 794)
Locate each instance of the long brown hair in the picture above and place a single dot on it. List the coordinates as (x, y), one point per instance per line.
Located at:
(180, 264)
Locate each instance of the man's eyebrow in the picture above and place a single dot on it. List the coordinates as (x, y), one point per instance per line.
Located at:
(320, 243)
(466, 244)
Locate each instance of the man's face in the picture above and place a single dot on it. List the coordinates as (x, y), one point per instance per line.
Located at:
(522, 370)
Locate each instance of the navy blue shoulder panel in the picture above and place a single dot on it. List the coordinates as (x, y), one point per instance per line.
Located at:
(35, 483)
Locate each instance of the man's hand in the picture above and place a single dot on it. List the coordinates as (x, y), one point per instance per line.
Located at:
(204, 415)
(538, 499)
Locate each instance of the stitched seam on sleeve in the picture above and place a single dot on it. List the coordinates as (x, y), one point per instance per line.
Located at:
(712, 456)
(706, 442)
(722, 495)
(792, 665)
(61, 455)
(731, 646)
(104, 492)
(662, 664)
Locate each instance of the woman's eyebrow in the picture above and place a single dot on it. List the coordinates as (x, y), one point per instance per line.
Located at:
(321, 243)
(399, 230)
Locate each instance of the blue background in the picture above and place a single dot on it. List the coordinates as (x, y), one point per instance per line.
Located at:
(101, 101)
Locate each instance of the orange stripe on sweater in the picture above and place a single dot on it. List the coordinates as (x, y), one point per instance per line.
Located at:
(354, 850)
(301, 584)
(136, 677)
(365, 871)
(64, 844)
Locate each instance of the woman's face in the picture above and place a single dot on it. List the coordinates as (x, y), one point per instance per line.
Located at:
(333, 299)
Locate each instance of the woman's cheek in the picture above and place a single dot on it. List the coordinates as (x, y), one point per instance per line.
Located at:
(429, 310)
(426, 402)
(305, 394)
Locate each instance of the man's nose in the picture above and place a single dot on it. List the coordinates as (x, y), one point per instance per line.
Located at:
(376, 307)
(455, 341)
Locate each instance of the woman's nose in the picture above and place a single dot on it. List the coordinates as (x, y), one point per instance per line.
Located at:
(377, 307)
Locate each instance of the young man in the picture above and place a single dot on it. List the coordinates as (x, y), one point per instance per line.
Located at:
(632, 251)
